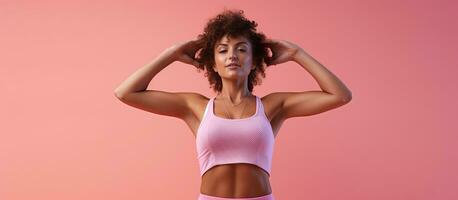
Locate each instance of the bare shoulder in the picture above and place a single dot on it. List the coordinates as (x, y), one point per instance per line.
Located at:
(272, 105)
(196, 103)
(272, 97)
(194, 97)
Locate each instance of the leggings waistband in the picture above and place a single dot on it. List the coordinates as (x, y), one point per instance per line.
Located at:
(207, 197)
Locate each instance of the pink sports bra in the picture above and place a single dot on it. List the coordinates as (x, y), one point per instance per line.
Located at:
(223, 141)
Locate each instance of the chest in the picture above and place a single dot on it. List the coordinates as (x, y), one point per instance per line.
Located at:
(270, 110)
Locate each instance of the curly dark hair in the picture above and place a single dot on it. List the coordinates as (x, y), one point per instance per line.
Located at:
(234, 24)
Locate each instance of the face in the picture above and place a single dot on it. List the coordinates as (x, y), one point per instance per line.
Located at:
(233, 50)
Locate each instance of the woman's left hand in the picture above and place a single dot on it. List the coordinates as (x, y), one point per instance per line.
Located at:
(282, 51)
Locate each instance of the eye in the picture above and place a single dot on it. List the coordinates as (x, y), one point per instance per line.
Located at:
(221, 51)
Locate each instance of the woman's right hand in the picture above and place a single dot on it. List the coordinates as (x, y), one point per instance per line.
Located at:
(185, 51)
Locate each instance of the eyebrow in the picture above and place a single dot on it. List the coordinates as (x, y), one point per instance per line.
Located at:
(235, 44)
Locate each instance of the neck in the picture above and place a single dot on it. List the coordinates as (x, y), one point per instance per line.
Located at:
(235, 91)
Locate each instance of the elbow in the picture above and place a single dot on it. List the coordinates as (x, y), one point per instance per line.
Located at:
(346, 98)
(343, 98)
(118, 94)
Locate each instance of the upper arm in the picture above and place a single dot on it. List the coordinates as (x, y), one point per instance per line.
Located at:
(297, 104)
(174, 104)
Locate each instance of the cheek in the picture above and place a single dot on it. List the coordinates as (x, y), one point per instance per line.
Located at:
(219, 59)
(248, 60)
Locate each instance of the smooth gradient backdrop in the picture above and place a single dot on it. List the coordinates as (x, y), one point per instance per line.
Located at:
(65, 136)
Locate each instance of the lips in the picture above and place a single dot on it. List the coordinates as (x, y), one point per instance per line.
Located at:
(233, 64)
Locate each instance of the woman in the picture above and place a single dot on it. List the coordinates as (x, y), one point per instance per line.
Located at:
(234, 130)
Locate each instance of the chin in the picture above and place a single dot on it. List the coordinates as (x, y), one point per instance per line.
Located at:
(235, 76)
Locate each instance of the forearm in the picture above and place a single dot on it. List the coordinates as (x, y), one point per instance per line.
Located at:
(327, 81)
(140, 79)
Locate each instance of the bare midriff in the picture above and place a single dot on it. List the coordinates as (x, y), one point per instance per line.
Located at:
(235, 180)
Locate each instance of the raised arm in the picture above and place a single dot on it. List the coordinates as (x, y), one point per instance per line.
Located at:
(132, 91)
(333, 92)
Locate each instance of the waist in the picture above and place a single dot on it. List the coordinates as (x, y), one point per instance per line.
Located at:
(237, 180)
(210, 197)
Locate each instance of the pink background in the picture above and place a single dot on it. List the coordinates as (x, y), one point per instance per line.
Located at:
(64, 135)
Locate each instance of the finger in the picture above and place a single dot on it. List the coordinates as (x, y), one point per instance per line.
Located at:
(195, 63)
(268, 61)
(272, 41)
(268, 42)
(188, 60)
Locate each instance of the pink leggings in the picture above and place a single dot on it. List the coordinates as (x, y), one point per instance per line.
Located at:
(207, 197)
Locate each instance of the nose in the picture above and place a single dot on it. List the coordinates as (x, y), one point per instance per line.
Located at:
(232, 56)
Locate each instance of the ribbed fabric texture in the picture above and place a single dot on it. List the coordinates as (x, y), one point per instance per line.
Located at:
(208, 197)
(224, 141)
